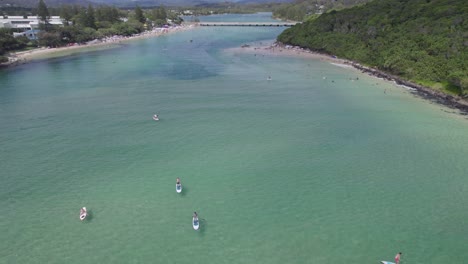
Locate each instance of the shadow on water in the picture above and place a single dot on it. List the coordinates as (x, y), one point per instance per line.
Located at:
(89, 217)
(184, 191)
(203, 226)
(188, 70)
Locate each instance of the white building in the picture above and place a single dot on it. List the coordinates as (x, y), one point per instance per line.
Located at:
(20, 23)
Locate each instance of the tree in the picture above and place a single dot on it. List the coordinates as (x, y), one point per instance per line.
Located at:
(162, 13)
(49, 39)
(159, 14)
(8, 42)
(85, 18)
(43, 13)
(66, 14)
(139, 15)
(90, 20)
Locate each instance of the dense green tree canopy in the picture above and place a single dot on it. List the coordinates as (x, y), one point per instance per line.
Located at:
(8, 42)
(420, 40)
(300, 10)
(42, 11)
(139, 16)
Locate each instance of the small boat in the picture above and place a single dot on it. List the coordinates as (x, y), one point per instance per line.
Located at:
(83, 213)
(195, 223)
(178, 187)
(155, 117)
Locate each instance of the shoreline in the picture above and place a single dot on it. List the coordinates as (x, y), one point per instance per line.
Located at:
(277, 48)
(23, 57)
(280, 49)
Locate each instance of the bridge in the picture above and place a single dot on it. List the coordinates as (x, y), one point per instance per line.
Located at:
(247, 24)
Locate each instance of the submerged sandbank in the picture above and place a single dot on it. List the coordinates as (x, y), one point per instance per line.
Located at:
(279, 49)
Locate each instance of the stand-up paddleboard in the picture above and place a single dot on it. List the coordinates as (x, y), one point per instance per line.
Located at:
(386, 262)
(178, 188)
(195, 223)
(83, 214)
(155, 117)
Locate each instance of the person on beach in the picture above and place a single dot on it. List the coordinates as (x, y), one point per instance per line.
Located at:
(397, 258)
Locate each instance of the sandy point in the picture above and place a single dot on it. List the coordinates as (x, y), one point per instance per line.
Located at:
(278, 49)
(21, 57)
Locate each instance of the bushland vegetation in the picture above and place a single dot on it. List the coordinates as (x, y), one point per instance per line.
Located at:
(424, 41)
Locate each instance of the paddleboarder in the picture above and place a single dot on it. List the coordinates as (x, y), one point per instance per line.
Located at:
(397, 258)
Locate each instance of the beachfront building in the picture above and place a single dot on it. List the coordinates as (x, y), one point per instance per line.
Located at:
(26, 23)
(30, 34)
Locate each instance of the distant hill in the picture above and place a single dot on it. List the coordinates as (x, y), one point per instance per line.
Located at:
(262, 1)
(143, 3)
(300, 10)
(420, 40)
(34, 3)
(181, 2)
(129, 3)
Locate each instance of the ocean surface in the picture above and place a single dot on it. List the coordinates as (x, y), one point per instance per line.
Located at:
(317, 165)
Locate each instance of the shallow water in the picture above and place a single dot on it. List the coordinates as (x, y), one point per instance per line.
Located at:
(299, 169)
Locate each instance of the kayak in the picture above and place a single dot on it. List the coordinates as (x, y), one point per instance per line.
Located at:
(386, 262)
(178, 188)
(195, 223)
(84, 214)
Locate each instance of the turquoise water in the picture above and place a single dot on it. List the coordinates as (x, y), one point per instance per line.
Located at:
(299, 169)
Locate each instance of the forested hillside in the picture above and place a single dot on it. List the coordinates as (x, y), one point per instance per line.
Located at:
(425, 41)
(301, 10)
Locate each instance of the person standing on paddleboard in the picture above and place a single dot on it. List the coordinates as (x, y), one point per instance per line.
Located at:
(397, 258)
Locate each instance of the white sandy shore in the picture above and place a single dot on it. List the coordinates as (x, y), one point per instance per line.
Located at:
(286, 50)
(109, 42)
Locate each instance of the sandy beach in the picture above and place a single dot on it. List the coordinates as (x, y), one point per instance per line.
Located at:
(17, 58)
(277, 49)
